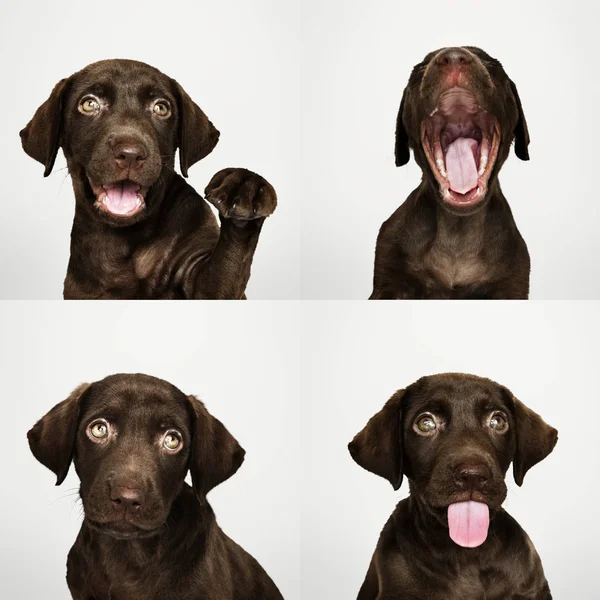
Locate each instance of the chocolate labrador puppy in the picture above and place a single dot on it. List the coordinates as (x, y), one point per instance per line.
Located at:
(140, 231)
(455, 236)
(146, 533)
(454, 437)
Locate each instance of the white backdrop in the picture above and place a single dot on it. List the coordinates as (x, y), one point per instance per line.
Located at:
(545, 353)
(229, 359)
(237, 60)
(294, 382)
(306, 93)
(358, 61)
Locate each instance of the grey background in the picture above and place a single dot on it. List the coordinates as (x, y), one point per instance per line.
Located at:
(229, 359)
(294, 382)
(237, 60)
(546, 353)
(359, 58)
(306, 93)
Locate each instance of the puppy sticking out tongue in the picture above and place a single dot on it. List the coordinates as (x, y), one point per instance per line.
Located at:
(122, 198)
(468, 523)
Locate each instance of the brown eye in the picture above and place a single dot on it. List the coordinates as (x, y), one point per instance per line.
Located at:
(98, 430)
(172, 441)
(161, 108)
(89, 105)
(426, 424)
(498, 422)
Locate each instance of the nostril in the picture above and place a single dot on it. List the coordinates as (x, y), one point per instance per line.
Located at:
(473, 477)
(454, 57)
(127, 497)
(132, 154)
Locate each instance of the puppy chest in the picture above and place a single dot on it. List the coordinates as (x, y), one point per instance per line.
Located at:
(455, 267)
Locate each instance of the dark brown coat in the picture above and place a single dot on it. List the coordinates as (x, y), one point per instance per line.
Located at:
(146, 533)
(119, 123)
(462, 459)
(440, 244)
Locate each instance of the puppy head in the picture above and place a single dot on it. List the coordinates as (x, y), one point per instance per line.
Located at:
(119, 123)
(454, 437)
(460, 113)
(132, 439)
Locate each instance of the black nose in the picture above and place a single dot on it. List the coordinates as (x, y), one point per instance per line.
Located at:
(454, 57)
(129, 154)
(127, 497)
(471, 477)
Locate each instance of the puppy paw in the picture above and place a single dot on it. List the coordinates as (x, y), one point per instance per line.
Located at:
(241, 195)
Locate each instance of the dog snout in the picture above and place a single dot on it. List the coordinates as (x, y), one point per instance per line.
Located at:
(127, 497)
(129, 154)
(454, 58)
(471, 477)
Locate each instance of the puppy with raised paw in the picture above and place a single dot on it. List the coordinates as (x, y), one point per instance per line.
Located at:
(455, 236)
(140, 231)
(146, 533)
(453, 436)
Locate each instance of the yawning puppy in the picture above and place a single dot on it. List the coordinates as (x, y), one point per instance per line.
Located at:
(455, 236)
(454, 437)
(147, 535)
(140, 231)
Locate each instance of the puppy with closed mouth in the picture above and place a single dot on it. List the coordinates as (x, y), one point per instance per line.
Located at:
(146, 533)
(453, 436)
(140, 231)
(455, 236)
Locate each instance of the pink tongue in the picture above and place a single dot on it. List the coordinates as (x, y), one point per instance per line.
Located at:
(121, 198)
(468, 522)
(460, 165)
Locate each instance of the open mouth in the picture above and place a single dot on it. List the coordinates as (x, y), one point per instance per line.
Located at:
(120, 199)
(461, 142)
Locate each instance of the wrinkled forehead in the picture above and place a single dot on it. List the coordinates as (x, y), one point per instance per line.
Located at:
(456, 395)
(140, 402)
(128, 78)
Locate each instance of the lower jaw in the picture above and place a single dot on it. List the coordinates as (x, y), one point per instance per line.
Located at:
(101, 207)
(118, 531)
(466, 202)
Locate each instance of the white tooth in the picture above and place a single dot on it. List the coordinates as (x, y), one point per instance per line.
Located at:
(440, 164)
(483, 163)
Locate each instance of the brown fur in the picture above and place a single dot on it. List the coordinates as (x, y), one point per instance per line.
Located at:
(174, 247)
(415, 557)
(430, 249)
(146, 533)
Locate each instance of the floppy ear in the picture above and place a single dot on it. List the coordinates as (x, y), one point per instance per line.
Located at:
(52, 438)
(521, 132)
(216, 455)
(41, 137)
(535, 439)
(378, 447)
(197, 135)
(402, 151)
